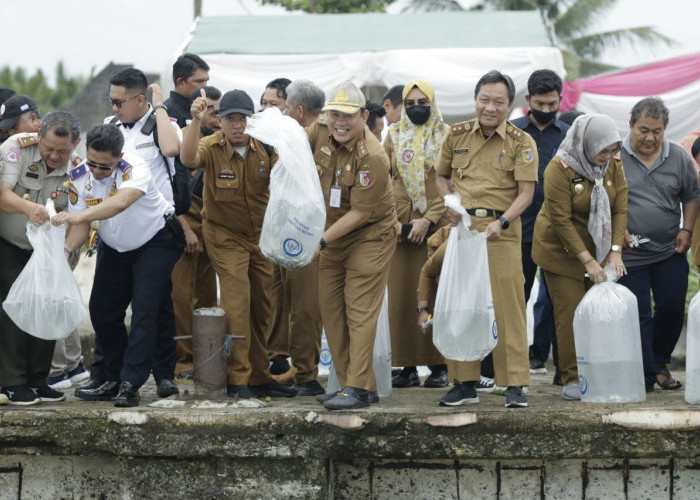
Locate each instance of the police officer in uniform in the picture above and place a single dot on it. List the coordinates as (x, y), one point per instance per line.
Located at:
(357, 245)
(33, 168)
(493, 166)
(236, 191)
(140, 241)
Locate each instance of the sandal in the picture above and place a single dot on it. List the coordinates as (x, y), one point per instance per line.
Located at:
(669, 384)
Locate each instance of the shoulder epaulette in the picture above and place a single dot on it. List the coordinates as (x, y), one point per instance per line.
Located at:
(77, 160)
(29, 140)
(514, 131)
(362, 149)
(78, 171)
(124, 166)
(461, 127)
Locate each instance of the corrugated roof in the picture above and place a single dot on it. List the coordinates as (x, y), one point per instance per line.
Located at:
(342, 33)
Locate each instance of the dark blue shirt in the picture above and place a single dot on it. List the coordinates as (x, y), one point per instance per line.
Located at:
(548, 141)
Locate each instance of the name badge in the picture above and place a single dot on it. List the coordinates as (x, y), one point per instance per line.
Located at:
(335, 197)
(227, 174)
(460, 150)
(32, 175)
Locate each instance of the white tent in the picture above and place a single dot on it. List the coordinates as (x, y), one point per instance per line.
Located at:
(451, 50)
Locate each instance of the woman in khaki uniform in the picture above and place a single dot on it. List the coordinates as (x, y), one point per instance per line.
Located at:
(413, 146)
(581, 226)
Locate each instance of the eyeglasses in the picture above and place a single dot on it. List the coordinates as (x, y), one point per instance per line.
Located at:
(417, 102)
(118, 102)
(610, 152)
(98, 166)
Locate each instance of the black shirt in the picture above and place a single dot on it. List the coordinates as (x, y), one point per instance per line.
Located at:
(548, 141)
(179, 108)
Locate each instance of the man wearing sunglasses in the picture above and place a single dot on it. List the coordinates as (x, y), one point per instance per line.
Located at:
(33, 167)
(141, 239)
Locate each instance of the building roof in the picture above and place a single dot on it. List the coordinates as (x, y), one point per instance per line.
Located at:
(343, 33)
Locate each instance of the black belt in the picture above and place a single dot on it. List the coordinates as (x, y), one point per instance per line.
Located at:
(484, 212)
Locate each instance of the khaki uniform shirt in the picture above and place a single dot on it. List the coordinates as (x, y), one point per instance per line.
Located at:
(236, 189)
(485, 172)
(561, 229)
(22, 167)
(359, 168)
(404, 207)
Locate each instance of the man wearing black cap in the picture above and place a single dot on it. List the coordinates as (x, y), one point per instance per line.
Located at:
(236, 192)
(18, 114)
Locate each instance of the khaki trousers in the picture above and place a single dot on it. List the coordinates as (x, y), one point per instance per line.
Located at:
(510, 357)
(244, 276)
(409, 345)
(566, 293)
(353, 276)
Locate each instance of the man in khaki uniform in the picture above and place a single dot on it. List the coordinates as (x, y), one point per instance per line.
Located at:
(493, 166)
(236, 191)
(33, 167)
(357, 244)
(194, 279)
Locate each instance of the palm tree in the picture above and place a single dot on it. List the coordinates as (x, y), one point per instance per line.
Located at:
(568, 23)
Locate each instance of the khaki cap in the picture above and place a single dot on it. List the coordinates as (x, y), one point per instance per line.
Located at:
(347, 98)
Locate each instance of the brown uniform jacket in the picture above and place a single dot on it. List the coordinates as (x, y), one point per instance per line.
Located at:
(561, 228)
(485, 172)
(429, 274)
(236, 190)
(404, 211)
(194, 214)
(359, 168)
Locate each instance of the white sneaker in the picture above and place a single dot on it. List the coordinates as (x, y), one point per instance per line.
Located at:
(571, 391)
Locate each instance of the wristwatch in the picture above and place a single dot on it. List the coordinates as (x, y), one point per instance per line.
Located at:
(421, 309)
(615, 248)
(160, 106)
(505, 223)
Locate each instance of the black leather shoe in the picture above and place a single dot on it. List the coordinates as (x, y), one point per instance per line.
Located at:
(238, 391)
(272, 389)
(166, 387)
(310, 388)
(128, 396)
(437, 377)
(373, 397)
(407, 378)
(92, 383)
(348, 399)
(105, 392)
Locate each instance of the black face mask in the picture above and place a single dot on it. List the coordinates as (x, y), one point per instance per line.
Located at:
(542, 117)
(418, 114)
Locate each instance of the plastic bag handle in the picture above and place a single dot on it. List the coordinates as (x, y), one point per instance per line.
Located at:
(454, 201)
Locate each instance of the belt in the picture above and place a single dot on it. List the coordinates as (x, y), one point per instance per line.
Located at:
(484, 212)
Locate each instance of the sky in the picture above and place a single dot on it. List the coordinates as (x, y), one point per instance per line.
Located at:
(88, 34)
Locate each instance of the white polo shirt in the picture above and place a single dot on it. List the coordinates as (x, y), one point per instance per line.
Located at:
(144, 146)
(136, 225)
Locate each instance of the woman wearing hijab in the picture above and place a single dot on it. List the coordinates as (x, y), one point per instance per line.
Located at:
(581, 226)
(413, 146)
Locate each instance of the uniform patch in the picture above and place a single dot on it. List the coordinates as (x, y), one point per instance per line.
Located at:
(94, 201)
(365, 178)
(125, 167)
(33, 168)
(78, 171)
(32, 175)
(12, 156)
(27, 141)
(460, 150)
(72, 193)
(146, 145)
(227, 174)
(408, 155)
(77, 160)
(528, 155)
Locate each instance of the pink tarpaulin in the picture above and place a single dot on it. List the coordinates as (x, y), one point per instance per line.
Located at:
(651, 79)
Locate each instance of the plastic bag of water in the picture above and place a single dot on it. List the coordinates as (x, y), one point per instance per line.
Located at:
(608, 344)
(464, 325)
(296, 213)
(45, 300)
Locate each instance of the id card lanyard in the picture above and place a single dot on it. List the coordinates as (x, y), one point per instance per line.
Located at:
(335, 190)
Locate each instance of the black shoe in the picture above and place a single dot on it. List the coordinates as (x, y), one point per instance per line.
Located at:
(437, 378)
(128, 396)
(557, 377)
(515, 398)
(92, 383)
(407, 378)
(348, 399)
(373, 397)
(167, 387)
(322, 398)
(310, 388)
(238, 391)
(21, 395)
(106, 392)
(272, 389)
(648, 387)
(460, 394)
(537, 367)
(48, 394)
(279, 366)
(186, 375)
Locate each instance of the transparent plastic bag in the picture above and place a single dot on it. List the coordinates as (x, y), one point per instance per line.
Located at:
(45, 300)
(692, 356)
(464, 325)
(608, 344)
(296, 213)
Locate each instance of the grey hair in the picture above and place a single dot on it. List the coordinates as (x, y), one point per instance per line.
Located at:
(653, 107)
(306, 94)
(61, 123)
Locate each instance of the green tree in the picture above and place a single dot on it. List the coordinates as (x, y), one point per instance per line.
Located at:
(37, 86)
(568, 24)
(331, 6)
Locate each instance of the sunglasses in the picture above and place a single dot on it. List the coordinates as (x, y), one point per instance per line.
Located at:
(97, 166)
(118, 102)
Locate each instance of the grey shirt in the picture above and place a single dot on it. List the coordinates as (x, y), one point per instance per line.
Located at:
(654, 200)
